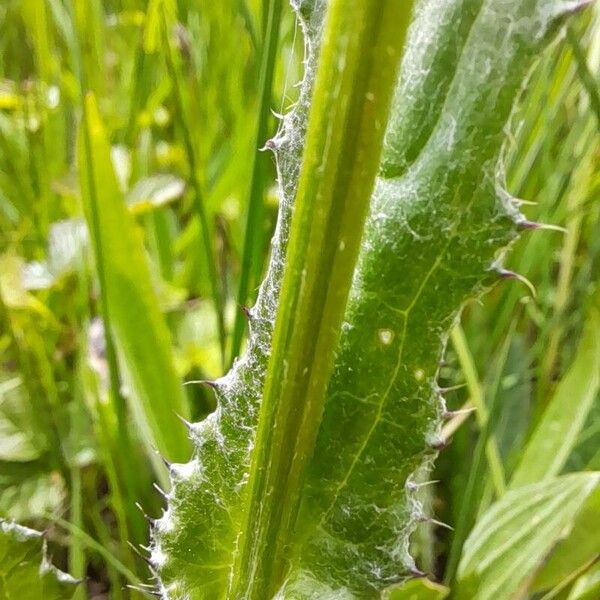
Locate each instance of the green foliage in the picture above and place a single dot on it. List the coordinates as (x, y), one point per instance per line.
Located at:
(99, 328)
(25, 571)
(140, 333)
(418, 589)
(438, 221)
(554, 438)
(514, 536)
(575, 552)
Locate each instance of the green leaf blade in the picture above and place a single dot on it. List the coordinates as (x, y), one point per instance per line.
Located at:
(140, 332)
(418, 589)
(431, 243)
(512, 539)
(578, 550)
(556, 435)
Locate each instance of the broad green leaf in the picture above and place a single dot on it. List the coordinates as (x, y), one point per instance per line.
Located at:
(557, 433)
(25, 571)
(574, 552)
(139, 328)
(31, 486)
(515, 535)
(439, 219)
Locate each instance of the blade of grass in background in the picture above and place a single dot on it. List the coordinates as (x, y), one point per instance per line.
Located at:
(486, 462)
(89, 22)
(185, 128)
(588, 80)
(580, 178)
(476, 396)
(254, 233)
(556, 434)
(35, 16)
(77, 558)
(141, 335)
(90, 542)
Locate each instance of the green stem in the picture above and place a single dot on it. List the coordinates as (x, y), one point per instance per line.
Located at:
(92, 544)
(486, 451)
(76, 552)
(103, 537)
(198, 196)
(253, 235)
(467, 366)
(362, 45)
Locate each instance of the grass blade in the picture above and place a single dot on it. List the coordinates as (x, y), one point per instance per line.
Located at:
(198, 195)
(556, 435)
(253, 235)
(141, 335)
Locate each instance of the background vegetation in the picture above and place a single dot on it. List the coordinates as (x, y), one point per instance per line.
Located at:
(178, 212)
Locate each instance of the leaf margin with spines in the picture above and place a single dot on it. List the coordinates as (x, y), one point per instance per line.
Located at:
(238, 392)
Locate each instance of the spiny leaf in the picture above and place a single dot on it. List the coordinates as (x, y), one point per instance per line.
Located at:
(349, 107)
(431, 242)
(439, 220)
(25, 571)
